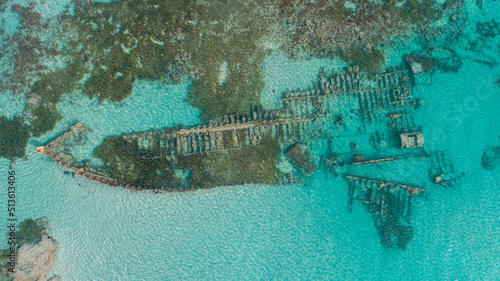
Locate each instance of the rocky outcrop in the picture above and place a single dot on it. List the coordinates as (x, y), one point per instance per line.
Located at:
(35, 260)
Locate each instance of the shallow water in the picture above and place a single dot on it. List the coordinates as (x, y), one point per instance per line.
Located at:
(292, 232)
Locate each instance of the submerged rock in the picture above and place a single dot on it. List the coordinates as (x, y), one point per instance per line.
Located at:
(420, 64)
(36, 260)
(437, 179)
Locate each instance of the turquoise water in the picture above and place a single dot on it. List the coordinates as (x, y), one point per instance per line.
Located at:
(152, 106)
(292, 232)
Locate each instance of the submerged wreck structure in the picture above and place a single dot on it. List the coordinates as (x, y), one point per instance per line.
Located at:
(344, 119)
(310, 117)
(390, 206)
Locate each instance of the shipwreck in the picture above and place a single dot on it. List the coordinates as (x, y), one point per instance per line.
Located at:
(344, 119)
(309, 117)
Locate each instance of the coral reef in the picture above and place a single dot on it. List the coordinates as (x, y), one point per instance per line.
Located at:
(356, 30)
(169, 41)
(27, 52)
(30, 56)
(14, 137)
(416, 11)
(241, 88)
(112, 45)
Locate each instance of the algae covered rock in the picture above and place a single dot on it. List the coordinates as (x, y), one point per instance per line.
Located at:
(30, 232)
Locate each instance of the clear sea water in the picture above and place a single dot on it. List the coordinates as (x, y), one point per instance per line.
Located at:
(297, 232)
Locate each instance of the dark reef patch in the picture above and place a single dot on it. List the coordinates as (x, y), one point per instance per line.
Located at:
(14, 137)
(356, 31)
(488, 29)
(418, 11)
(46, 93)
(46, 119)
(491, 157)
(26, 52)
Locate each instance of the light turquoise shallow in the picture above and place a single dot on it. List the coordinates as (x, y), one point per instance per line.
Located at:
(268, 232)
